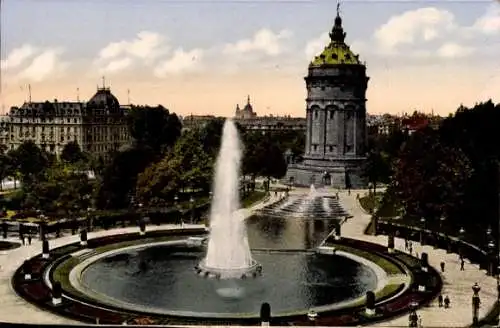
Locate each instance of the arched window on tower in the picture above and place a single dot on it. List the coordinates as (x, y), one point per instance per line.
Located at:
(332, 113)
(316, 114)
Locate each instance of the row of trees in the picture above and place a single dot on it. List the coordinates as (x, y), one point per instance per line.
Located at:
(450, 172)
(162, 161)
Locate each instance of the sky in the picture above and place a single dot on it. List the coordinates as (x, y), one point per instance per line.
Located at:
(206, 56)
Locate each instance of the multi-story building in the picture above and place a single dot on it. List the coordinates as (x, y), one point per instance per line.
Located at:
(248, 119)
(336, 118)
(99, 126)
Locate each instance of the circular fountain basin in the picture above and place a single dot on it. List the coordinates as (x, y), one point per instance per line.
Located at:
(160, 279)
(252, 271)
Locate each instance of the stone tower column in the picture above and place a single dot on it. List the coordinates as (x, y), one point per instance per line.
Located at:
(336, 116)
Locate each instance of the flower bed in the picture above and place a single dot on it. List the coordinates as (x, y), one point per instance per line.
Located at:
(7, 245)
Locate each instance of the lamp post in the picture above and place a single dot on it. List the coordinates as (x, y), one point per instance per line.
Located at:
(461, 234)
(413, 317)
(374, 219)
(139, 207)
(210, 195)
(422, 227)
(191, 201)
(90, 223)
(476, 301)
(312, 316)
(491, 257)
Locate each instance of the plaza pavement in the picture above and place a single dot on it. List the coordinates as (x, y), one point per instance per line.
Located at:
(456, 284)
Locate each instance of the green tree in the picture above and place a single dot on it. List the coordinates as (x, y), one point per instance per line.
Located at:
(154, 127)
(430, 177)
(187, 166)
(377, 168)
(30, 161)
(60, 189)
(270, 158)
(72, 153)
(119, 177)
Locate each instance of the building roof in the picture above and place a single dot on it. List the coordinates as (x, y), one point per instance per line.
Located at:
(337, 51)
(248, 107)
(104, 97)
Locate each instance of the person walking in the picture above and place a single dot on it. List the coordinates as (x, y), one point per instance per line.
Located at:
(29, 239)
(446, 302)
(440, 300)
(442, 266)
(462, 263)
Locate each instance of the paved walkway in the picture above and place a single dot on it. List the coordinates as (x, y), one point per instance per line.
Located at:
(456, 284)
(14, 309)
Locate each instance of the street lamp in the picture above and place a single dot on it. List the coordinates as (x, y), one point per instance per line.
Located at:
(191, 201)
(461, 235)
(413, 317)
(476, 301)
(491, 255)
(422, 223)
(441, 222)
(210, 195)
(90, 224)
(176, 200)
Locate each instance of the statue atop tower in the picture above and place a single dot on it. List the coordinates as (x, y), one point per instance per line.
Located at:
(336, 117)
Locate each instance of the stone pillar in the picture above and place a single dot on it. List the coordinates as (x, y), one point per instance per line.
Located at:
(374, 224)
(424, 262)
(83, 238)
(337, 233)
(56, 293)
(312, 316)
(421, 281)
(27, 270)
(5, 229)
(370, 303)
(265, 315)
(390, 243)
(45, 249)
(142, 227)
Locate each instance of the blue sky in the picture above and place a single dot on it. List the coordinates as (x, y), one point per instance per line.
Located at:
(213, 49)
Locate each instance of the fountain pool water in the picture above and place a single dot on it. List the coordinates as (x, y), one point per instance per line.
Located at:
(228, 252)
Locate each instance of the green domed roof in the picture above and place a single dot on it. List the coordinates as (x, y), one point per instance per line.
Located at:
(337, 52)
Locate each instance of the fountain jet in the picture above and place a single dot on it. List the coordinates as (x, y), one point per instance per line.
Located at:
(228, 252)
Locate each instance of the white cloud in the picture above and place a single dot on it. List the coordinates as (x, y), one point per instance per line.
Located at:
(454, 50)
(180, 62)
(264, 41)
(117, 65)
(424, 24)
(47, 64)
(489, 23)
(315, 46)
(18, 56)
(145, 46)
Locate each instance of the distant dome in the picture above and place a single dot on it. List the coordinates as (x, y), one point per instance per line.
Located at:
(248, 107)
(104, 98)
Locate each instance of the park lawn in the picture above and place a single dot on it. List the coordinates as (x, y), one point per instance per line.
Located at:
(389, 267)
(386, 209)
(252, 198)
